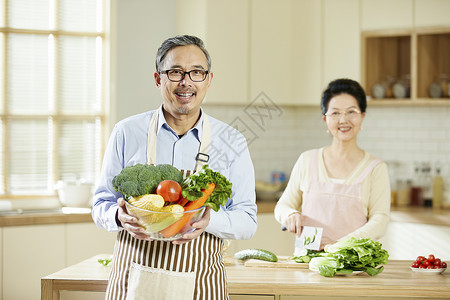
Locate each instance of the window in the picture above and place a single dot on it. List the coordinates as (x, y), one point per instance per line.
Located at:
(52, 103)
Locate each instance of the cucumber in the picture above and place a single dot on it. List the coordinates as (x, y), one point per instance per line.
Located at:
(260, 254)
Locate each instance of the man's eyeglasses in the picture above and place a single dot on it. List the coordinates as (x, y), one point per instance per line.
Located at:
(178, 75)
(349, 114)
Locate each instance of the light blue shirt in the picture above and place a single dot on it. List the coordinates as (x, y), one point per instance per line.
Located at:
(228, 154)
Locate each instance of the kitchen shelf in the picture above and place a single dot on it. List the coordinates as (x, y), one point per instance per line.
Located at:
(418, 57)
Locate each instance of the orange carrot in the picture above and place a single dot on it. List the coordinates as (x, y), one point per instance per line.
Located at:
(178, 225)
(182, 201)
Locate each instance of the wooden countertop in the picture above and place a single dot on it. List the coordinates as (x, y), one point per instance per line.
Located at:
(397, 280)
(409, 214)
(44, 217)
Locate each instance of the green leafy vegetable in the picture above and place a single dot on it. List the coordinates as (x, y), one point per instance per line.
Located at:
(353, 254)
(306, 258)
(194, 184)
(104, 261)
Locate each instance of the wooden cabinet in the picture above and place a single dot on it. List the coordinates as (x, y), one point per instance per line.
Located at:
(252, 297)
(341, 42)
(30, 253)
(386, 14)
(431, 12)
(227, 40)
(285, 61)
(417, 57)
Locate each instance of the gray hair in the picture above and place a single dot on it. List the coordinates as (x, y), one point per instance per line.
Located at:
(180, 40)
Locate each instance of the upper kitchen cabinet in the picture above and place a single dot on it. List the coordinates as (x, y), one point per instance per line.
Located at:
(432, 13)
(341, 40)
(227, 40)
(386, 14)
(285, 51)
(410, 66)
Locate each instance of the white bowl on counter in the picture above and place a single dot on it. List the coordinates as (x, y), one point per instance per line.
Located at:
(75, 193)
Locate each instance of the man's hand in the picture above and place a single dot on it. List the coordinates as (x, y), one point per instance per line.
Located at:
(199, 226)
(130, 223)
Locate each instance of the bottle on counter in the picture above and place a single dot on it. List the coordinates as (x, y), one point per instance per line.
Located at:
(427, 185)
(438, 189)
(416, 195)
(403, 192)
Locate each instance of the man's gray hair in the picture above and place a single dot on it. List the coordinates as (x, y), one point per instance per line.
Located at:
(180, 40)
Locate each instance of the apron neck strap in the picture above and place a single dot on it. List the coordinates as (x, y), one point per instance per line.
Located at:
(202, 157)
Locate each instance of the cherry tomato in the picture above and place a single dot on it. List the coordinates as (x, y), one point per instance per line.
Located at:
(170, 190)
(420, 258)
(426, 264)
(437, 262)
(444, 265)
(431, 258)
(415, 264)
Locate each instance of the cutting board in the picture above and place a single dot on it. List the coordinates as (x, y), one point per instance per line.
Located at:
(283, 262)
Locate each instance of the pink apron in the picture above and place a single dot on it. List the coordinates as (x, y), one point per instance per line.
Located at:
(335, 207)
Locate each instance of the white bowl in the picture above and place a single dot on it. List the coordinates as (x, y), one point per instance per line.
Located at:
(74, 193)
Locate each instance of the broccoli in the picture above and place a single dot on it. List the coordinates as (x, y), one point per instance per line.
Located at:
(137, 180)
(169, 172)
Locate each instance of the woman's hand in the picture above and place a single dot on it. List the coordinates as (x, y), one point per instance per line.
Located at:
(199, 226)
(130, 223)
(294, 223)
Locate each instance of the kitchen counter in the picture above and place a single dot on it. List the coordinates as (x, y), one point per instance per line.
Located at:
(396, 281)
(43, 217)
(409, 214)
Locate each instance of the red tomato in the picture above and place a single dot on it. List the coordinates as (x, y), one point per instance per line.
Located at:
(431, 258)
(420, 258)
(170, 190)
(437, 262)
(415, 264)
(444, 265)
(426, 264)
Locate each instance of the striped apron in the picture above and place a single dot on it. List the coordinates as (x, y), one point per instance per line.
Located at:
(161, 270)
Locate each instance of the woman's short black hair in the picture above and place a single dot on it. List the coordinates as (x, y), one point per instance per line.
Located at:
(343, 86)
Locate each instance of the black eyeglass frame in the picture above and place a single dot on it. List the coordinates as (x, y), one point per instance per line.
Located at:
(184, 74)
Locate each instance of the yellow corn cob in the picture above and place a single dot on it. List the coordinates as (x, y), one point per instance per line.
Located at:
(152, 202)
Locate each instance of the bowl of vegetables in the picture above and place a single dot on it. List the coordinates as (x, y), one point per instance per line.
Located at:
(166, 204)
(168, 222)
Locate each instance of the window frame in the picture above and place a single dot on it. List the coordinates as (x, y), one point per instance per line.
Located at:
(57, 116)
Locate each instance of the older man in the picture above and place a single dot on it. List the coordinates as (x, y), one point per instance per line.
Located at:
(179, 133)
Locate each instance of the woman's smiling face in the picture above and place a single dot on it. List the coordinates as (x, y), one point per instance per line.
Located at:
(344, 117)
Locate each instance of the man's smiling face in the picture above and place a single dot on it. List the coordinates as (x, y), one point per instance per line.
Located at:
(185, 96)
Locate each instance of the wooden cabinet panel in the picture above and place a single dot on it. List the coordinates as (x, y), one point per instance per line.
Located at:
(285, 50)
(341, 40)
(252, 297)
(30, 253)
(85, 240)
(227, 41)
(386, 14)
(432, 12)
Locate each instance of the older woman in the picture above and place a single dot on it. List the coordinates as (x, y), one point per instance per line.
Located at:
(339, 187)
